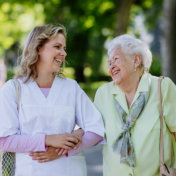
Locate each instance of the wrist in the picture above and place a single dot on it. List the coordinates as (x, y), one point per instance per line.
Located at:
(81, 131)
(47, 140)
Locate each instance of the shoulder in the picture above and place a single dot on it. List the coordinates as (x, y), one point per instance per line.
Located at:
(104, 92)
(105, 87)
(167, 85)
(8, 89)
(7, 86)
(68, 84)
(66, 80)
(165, 81)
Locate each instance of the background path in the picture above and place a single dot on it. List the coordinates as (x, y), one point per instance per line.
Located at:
(94, 161)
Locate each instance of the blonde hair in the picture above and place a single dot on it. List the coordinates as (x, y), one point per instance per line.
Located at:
(36, 39)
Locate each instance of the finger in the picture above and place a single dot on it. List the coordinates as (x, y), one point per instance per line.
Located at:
(67, 148)
(39, 157)
(58, 149)
(79, 138)
(37, 154)
(60, 152)
(34, 152)
(77, 146)
(35, 158)
(43, 161)
(65, 152)
(73, 139)
(31, 154)
(70, 144)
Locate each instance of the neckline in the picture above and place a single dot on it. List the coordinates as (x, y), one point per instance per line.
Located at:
(45, 88)
(40, 91)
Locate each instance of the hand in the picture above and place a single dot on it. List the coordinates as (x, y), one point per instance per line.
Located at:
(78, 133)
(49, 155)
(62, 151)
(65, 141)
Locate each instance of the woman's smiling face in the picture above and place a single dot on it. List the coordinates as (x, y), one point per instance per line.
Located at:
(52, 54)
(121, 65)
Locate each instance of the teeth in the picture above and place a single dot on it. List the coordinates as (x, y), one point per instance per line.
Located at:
(115, 72)
(58, 60)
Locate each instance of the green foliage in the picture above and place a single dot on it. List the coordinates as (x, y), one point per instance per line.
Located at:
(10, 74)
(91, 88)
(155, 68)
(16, 20)
(88, 25)
(152, 11)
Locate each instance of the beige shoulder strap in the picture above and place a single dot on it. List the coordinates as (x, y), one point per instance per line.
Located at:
(18, 91)
(161, 121)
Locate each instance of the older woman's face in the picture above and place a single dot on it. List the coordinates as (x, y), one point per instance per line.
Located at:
(121, 66)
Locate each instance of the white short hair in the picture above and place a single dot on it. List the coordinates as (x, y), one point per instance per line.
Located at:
(132, 45)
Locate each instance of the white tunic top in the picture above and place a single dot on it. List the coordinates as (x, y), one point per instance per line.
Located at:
(65, 105)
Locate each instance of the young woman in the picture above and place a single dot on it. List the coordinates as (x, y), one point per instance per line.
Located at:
(50, 106)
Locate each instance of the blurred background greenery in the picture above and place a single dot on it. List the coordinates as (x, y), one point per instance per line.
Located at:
(90, 25)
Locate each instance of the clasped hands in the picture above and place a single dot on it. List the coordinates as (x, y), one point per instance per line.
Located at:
(58, 145)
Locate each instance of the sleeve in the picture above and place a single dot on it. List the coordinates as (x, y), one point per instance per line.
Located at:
(23, 143)
(169, 103)
(98, 100)
(88, 140)
(98, 103)
(87, 116)
(8, 107)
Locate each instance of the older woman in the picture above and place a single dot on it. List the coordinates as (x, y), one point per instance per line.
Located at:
(129, 106)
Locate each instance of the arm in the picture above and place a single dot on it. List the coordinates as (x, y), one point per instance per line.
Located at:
(23, 143)
(28, 143)
(53, 153)
(65, 141)
(88, 140)
(87, 116)
(169, 103)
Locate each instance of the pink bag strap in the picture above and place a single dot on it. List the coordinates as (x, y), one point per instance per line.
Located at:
(161, 121)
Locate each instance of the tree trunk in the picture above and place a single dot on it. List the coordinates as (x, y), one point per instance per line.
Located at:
(79, 73)
(122, 16)
(168, 39)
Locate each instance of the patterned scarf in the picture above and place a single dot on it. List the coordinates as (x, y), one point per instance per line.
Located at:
(123, 144)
